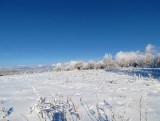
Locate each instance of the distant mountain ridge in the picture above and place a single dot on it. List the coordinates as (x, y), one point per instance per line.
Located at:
(25, 68)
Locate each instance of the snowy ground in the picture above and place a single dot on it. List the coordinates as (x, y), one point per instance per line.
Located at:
(122, 92)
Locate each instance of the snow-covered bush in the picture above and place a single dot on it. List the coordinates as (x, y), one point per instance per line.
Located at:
(149, 59)
(69, 65)
(91, 65)
(146, 58)
(157, 60)
(78, 65)
(57, 67)
(109, 62)
(58, 108)
(85, 66)
(5, 113)
(72, 65)
(100, 65)
(125, 59)
(108, 59)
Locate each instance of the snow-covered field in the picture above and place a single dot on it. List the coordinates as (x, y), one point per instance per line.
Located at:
(122, 97)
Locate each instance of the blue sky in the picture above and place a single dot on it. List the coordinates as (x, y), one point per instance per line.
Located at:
(51, 31)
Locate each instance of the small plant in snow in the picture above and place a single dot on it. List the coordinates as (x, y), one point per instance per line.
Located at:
(98, 114)
(5, 113)
(55, 109)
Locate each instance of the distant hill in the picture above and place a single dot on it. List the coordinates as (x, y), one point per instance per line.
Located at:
(24, 69)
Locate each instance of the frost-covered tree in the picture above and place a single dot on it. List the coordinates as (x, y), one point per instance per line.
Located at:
(157, 60)
(91, 65)
(58, 67)
(69, 65)
(140, 59)
(121, 59)
(149, 59)
(108, 61)
(146, 58)
(79, 65)
(85, 66)
(100, 65)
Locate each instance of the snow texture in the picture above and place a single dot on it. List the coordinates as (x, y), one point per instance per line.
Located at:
(97, 95)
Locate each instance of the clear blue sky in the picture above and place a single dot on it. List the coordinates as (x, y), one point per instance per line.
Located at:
(50, 31)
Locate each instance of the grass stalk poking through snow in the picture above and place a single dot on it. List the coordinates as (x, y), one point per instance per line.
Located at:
(140, 106)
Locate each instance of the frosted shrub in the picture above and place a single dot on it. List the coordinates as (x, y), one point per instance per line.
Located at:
(109, 63)
(157, 60)
(85, 66)
(100, 65)
(5, 113)
(149, 59)
(108, 60)
(57, 67)
(79, 65)
(125, 59)
(55, 109)
(146, 58)
(68, 66)
(91, 64)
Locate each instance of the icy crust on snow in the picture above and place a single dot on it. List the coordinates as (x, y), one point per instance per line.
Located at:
(130, 97)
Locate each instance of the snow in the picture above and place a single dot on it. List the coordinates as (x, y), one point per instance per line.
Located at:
(119, 91)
